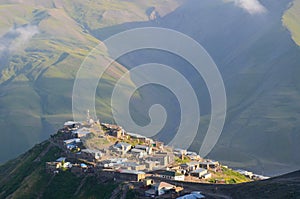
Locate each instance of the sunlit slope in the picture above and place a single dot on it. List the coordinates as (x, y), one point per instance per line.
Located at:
(43, 45)
(291, 19)
(26, 177)
(36, 75)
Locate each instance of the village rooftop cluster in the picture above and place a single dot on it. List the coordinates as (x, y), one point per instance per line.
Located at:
(106, 150)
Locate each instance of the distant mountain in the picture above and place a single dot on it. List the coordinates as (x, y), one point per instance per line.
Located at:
(260, 65)
(254, 45)
(259, 62)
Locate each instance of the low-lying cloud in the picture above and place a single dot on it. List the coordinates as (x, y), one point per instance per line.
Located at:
(16, 37)
(24, 35)
(251, 6)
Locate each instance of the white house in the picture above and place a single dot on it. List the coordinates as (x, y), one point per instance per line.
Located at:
(190, 166)
(207, 176)
(199, 172)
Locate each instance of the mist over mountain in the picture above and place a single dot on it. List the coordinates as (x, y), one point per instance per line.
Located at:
(43, 43)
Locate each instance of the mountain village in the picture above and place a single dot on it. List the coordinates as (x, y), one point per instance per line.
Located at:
(110, 152)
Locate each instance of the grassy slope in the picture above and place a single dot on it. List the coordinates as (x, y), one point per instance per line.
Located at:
(107, 13)
(37, 81)
(286, 186)
(291, 20)
(272, 83)
(25, 177)
(31, 68)
(230, 176)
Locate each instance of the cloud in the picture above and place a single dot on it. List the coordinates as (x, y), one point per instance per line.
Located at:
(251, 6)
(16, 37)
(24, 35)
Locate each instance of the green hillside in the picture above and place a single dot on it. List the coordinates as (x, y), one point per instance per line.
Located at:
(26, 177)
(37, 69)
(291, 20)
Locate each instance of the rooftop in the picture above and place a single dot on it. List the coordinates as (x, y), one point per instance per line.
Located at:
(77, 140)
(167, 173)
(90, 151)
(120, 144)
(209, 162)
(141, 146)
(166, 185)
(130, 164)
(131, 171)
(61, 159)
(193, 163)
(200, 170)
(118, 160)
(135, 135)
(70, 123)
(82, 131)
(137, 151)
